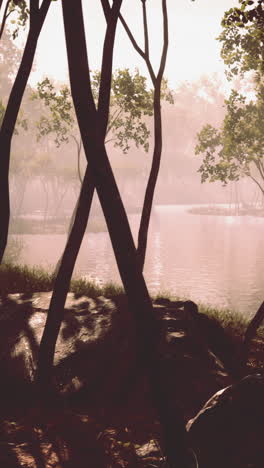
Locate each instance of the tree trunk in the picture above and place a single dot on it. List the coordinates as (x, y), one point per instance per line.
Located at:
(156, 80)
(10, 117)
(93, 141)
(91, 128)
(62, 282)
(153, 176)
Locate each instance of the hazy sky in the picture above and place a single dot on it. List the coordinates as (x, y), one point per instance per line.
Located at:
(193, 27)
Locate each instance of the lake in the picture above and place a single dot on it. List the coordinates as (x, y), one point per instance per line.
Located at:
(218, 260)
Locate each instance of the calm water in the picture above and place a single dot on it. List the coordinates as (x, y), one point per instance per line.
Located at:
(214, 259)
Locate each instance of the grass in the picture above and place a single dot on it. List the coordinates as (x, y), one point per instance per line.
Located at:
(24, 279)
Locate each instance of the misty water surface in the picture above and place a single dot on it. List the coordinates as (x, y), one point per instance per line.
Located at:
(218, 260)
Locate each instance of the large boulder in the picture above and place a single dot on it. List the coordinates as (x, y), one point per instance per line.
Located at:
(96, 350)
(94, 340)
(190, 371)
(229, 430)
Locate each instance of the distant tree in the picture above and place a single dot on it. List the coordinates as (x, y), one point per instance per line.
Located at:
(10, 57)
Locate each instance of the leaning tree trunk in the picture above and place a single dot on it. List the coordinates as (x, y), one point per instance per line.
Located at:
(10, 117)
(92, 132)
(92, 126)
(62, 282)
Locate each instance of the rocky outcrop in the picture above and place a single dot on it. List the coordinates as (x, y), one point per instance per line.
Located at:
(96, 348)
(229, 430)
(189, 369)
(94, 340)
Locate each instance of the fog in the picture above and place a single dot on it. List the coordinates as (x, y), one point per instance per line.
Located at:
(215, 258)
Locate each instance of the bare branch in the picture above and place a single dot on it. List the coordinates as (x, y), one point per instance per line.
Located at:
(79, 148)
(115, 116)
(131, 37)
(110, 139)
(138, 49)
(256, 182)
(145, 23)
(260, 167)
(43, 9)
(165, 41)
(106, 8)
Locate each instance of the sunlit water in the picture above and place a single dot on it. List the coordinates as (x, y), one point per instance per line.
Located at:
(218, 260)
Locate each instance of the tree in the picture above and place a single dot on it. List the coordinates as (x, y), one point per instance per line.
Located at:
(37, 15)
(160, 92)
(100, 175)
(130, 102)
(237, 148)
(242, 38)
(157, 81)
(19, 7)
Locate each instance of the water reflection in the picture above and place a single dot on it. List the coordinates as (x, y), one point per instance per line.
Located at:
(214, 259)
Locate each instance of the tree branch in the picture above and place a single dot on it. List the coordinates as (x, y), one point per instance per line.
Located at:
(256, 182)
(110, 139)
(138, 49)
(106, 73)
(145, 25)
(113, 120)
(131, 37)
(34, 11)
(43, 9)
(165, 41)
(79, 148)
(260, 168)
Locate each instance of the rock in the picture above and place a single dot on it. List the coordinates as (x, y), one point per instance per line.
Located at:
(229, 430)
(188, 368)
(94, 336)
(97, 349)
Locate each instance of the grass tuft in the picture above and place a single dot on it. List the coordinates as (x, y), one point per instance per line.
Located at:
(24, 279)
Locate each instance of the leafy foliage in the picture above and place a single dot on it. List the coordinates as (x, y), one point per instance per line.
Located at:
(20, 7)
(60, 119)
(243, 38)
(130, 102)
(237, 149)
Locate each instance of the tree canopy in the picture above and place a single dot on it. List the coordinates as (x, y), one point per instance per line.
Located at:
(242, 38)
(130, 101)
(237, 148)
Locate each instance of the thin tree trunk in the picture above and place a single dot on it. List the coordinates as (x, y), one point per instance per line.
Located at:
(10, 117)
(62, 282)
(152, 181)
(156, 80)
